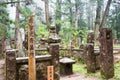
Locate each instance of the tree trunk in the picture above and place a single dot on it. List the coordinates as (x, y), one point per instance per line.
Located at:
(47, 13)
(97, 21)
(58, 16)
(106, 13)
(18, 35)
(76, 19)
(3, 38)
(76, 14)
(89, 27)
(71, 14)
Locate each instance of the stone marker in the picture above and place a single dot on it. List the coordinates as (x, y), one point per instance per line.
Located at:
(90, 57)
(10, 65)
(106, 53)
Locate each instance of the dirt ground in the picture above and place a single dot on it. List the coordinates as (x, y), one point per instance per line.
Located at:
(77, 76)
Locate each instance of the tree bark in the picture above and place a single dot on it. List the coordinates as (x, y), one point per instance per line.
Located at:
(11, 2)
(3, 38)
(18, 35)
(71, 14)
(76, 14)
(106, 13)
(47, 13)
(58, 16)
(97, 21)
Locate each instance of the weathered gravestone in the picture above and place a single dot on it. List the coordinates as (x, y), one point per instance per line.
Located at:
(90, 57)
(106, 53)
(10, 65)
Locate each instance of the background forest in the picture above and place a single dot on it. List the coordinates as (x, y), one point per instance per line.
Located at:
(73, 18)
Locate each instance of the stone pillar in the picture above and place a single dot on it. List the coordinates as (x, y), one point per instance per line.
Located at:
(90, 57)
(84, 55)
(106, 53)
(54, 51)
(10, 65)
(17, 71)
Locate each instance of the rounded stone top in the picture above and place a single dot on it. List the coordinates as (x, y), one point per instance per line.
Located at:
(66, 60)
(52, 29)
(43, 39)
(53, 40)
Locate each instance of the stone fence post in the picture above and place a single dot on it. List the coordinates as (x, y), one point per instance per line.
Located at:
(90, 57)
(10, 65)
(106, 53)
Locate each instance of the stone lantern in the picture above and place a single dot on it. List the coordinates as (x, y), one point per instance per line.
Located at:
(53, 49)
(43, 42)
(53, 37)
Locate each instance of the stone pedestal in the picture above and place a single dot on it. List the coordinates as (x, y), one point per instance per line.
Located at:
(66, 66)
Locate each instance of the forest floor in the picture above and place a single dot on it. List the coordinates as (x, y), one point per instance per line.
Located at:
(80, 72)
(78, 76)
(78, 69)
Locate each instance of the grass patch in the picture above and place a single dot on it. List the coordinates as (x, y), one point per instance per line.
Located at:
(80, 68)
(114, 46)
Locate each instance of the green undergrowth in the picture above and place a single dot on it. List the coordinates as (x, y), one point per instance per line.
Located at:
(80, 67)
(114, 46)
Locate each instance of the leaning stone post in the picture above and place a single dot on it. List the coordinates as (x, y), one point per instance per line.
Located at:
(10, 65)
(90, 57)
(106, 53)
